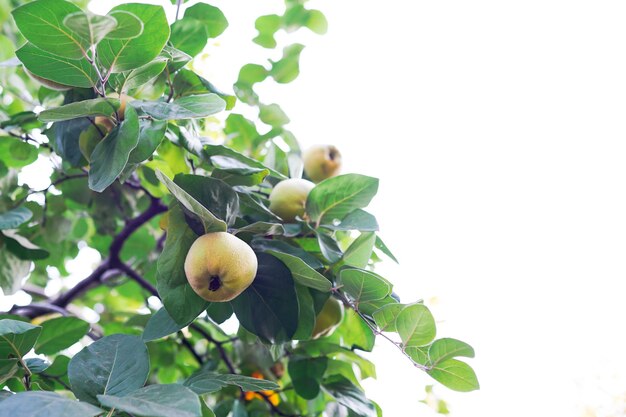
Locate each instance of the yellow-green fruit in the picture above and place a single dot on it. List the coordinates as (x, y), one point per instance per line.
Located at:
(321, 162)
(288, 198)
(328, 318)
(89, 139)
(219, 266)
(48, 83)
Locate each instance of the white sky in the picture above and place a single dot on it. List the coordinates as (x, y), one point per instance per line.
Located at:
(497, 130)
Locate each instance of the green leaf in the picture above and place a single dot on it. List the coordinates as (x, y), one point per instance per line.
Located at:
(144, 74)
(455, 375)
(129, 26)
(111, 154)
(211, 151)
(364, 286)
(41, 23)
(188, 107)
(380, 245)
(360, 251)
(188, 83)
(249, 75)
(189, 36)
(287, 69)
(351, 397)
(8, 368)
(353, 333)
(267, 26)
(88, 26)
(335, 197)
(269, 307)
(306, 375)
(12, 271)
(60, 333)
(180, 300)
(416, 325)
(266, 245)
(210, 222)
(172, 400)
(212, 17)
(161, 324)
(85, 108)
(357, 219)
(273, 115)
(211, 192)
(307, 313)
(219, 312)
(151, 133)
(17, 338)
(69, 72)
(36, 365)
(15, 153)
(262, 228)
(241, 176)
(13, 218)
(385, 317)
(303, 273)
(119, 55)
(447, 348)
(204, 382)
(176, 58)
(113, 365)
(329, 247)
(48, 404)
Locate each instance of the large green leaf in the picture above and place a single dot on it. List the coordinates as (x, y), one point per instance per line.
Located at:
(17, 338)
(360, 251)
(355, 220)
(335, 197)
(351, 397)
(41, 23)
(151, 133)
(171, 400)
(210, 222)
(210, 16)
(204, 382)
(70, 72)
(306, 375)
(93, 107)
(13, 218)
(15, 153)
(144, 74)
(188, 107)
(111, 154)
(303, 273)
(416, 325)
(447, 348)
(128, 26)
(113, 365)
(385, 317)
(22, 247)
(180, 300)
(126, 54)
(45, 404)
(60, 333)
(88, 26)
(189, 35)
(455, 375)
(269, 307)
(213, 193)
(211, 151)
(364, 286)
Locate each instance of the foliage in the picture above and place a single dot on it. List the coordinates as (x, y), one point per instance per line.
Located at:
(114, 105)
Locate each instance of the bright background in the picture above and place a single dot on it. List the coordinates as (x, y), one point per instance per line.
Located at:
(497, 130)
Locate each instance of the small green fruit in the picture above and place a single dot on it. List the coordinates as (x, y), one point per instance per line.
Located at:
(220, 266)
(328, 318)
(288, 198)
(321, 162)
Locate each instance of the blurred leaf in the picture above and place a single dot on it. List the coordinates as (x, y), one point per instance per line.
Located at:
(189, 35)
(171, 400)
(36, 365)
(287, 68)
(48, 404)
(349, 396)
(210, 16)
(128, 25)
(13, 218)
(12, 271)
(306, 375)
(110, 156)
(241, 176)
(89, 27)
(161, 324)
(15, 153)
(8, 368)
(113, 365)
(273, 115)
(269, 307)
(267, 26)
(204, 382)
